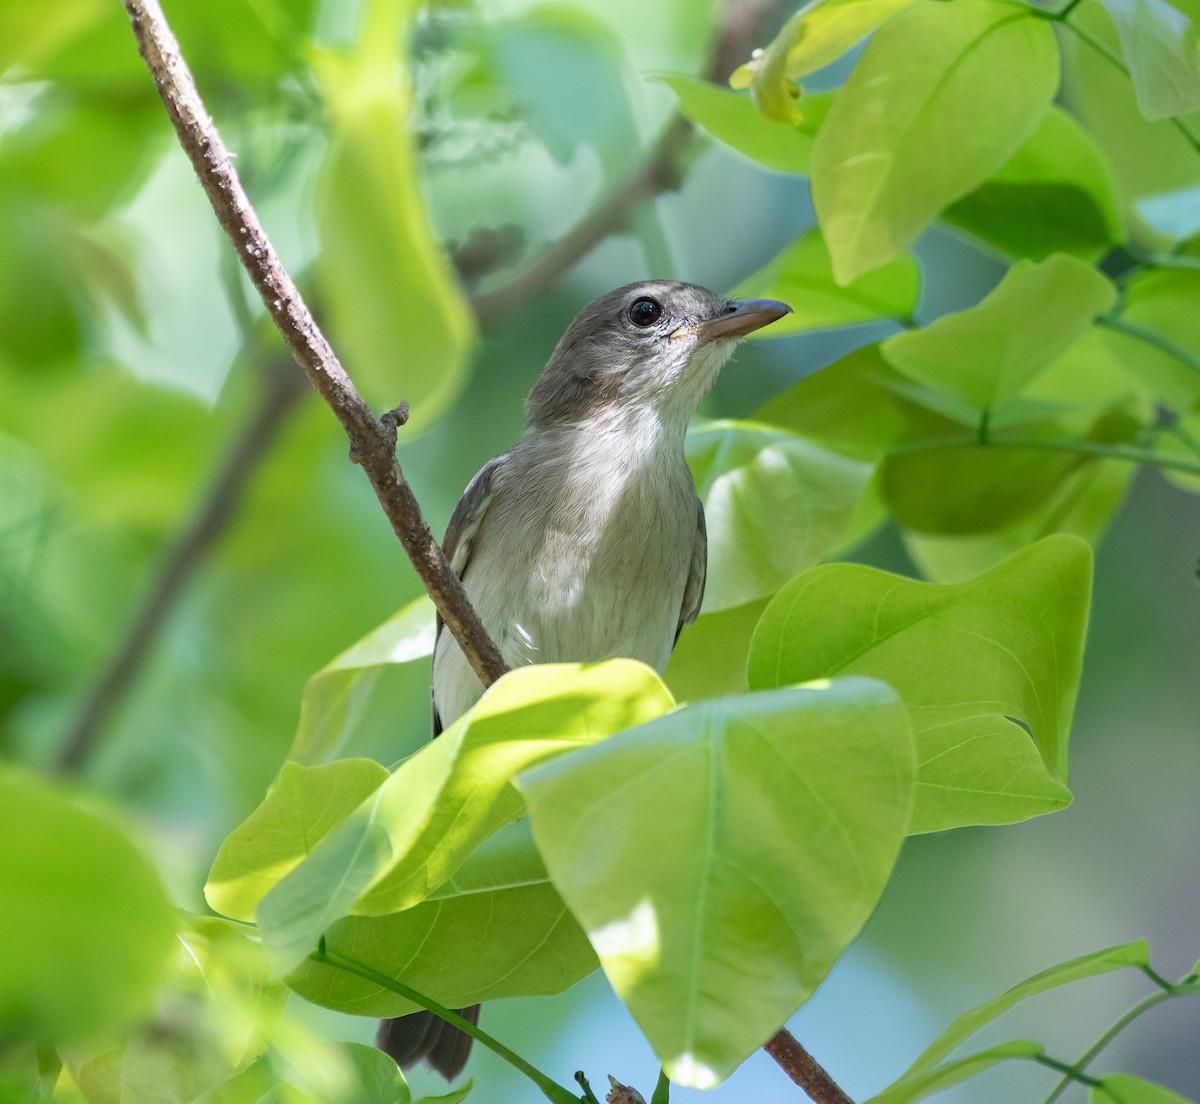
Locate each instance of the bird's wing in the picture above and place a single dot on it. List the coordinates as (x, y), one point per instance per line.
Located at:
(693, 592)
(460, 533)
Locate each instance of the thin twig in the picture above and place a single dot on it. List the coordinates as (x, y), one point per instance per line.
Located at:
(660, 172)
(280, 393)
(372, 443)
(804, 1069)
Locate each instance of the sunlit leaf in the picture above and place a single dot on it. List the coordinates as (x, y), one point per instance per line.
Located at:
(802, 276)
(396, 309)
(987, 354)
(335, 696)
(1162, 49)
(731, 117)
(86, 920)
(819, 33)
(666, 843)
(497, 928)
(1055, 195)
(298, 811)
(942, 97)
(773, 502)
(414, 831)
(988, 669)
(709, 659)
(1161, 303)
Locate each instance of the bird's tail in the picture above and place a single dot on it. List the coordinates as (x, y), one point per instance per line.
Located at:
(421, 1036)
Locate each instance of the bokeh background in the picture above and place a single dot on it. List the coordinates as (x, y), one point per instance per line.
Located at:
(131, 356)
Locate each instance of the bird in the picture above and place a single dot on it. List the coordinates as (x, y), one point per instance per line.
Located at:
(586, 540)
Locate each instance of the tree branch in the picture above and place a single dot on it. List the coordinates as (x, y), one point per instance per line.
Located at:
(804, 1069)
(252, 442)
(658, 173)
(372, 442)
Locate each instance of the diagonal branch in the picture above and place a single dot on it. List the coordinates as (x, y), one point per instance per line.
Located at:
(372, 440)
(804, 1069)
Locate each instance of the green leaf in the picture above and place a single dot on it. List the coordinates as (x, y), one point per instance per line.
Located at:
(1162, 49)
(773, 502)
(412, 833)
(1085, 966)
(802, 275)
(1181, 442)
(731, 118)
(86, 924)
(818, 34)
(377, 251)
(966, 490)
(666, 843)
(1121, 1088)
(910, 1089)
(981, 666)
(497, 928)
(988, 353)
(1055, 195)
(336, 695)
(1163, 303)
(299, 810)
(848, 406)
(942, 97)
(1083, 504)
(709, 659)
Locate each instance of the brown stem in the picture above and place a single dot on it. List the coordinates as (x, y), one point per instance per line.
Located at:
(372, 444)
(246, 450)
(804, 1069)
(660, 172)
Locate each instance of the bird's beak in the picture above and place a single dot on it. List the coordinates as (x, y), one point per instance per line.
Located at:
(740, 317)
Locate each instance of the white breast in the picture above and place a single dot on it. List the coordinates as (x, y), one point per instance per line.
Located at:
(583, 553)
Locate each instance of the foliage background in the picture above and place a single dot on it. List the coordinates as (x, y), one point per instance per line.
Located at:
(119, 385)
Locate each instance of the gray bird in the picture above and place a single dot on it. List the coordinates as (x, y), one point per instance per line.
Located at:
(586, 540)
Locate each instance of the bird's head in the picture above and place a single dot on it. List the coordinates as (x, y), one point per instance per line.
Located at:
(652, 346)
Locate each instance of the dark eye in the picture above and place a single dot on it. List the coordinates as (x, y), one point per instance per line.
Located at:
(645, 312)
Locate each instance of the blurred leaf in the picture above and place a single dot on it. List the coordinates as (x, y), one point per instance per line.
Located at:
(1181, 442)
(847, 406)
(774, 504)
(669, 844)
(415, 830)
(1162, 50)
(495, 929)
(299, 810)
(336, 695)
(1121, 1088)
(942, 97)
(819, 33)
(731, 118)
(1055, 195)
(988, 353)
(86, 923)
(802, 276)
(907, 1090)
(213, 1018)
(709, 659)
(1163, 302)
(1075, 969)
(392, 298)
(982, 667)
(1147, 158)
(1175, 215)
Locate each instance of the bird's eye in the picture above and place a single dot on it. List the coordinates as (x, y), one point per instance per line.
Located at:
(645, 312)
